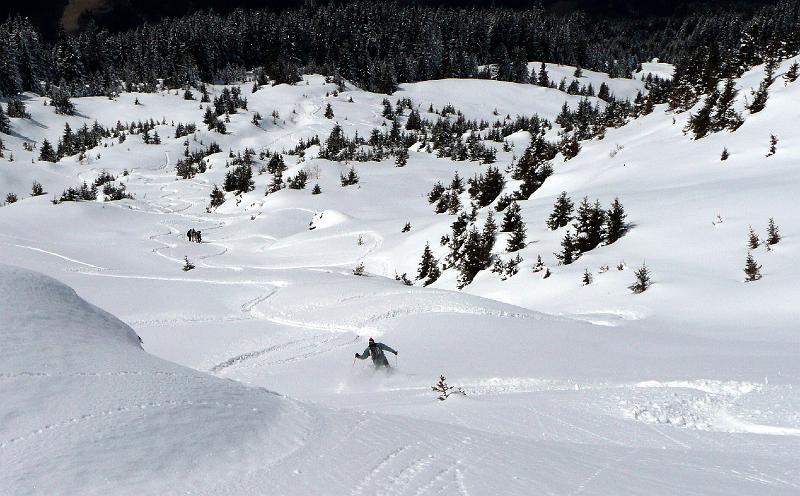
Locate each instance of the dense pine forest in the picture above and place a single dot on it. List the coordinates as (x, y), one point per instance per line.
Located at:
(380, 44)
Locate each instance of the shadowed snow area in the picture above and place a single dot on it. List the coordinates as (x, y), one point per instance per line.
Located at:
(245, 381)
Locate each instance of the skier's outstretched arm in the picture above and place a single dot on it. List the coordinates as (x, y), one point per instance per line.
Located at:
(387, 348)
(364, 355)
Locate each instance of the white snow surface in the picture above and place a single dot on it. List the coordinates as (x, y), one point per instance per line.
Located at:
(245, 383)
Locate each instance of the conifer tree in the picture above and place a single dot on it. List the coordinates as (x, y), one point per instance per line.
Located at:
(402, 157)
(426, 263)
(700, 123)
(790, 76)
(569, 249)
(517, 239)
(489, 234)
(759, 97)
(773, 234)
(61, 103)
(752, 238)
(436, 193)
(542, 79)
(725, 155)
(277, 182)
(316, 190)
(725, 117)
(328, 111)
(773, 144)
(539, 265)
(615, 222)
(562, 212)
(473, 259)
(47, 153)
(16, 109)
(587, 277)
(350, 178)
(751, 269)
(512, 218)
(5, 123)
(37, 189)
(642, 282)
(457, 184)
(217, 197)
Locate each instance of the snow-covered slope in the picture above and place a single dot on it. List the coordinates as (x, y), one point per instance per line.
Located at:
(689, 388)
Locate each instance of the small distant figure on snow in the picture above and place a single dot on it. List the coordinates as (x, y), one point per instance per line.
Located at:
(194, 235)
(375, 350)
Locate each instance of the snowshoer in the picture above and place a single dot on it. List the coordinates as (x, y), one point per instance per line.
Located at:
(190, 235)
(375, 350)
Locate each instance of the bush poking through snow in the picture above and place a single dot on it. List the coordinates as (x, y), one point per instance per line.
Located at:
(187, 265)
(724, 155)
(37, 189)
(407, 227)
(751, 269)
(359, 270)
(444, 390)
(773, 144)
(643, 282)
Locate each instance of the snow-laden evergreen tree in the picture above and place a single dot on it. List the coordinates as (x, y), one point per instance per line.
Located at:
(484, 188)
(587, 277)
(316, 190)
(752, 238)
(792, 73)
(752, 270)
(642, 282)
(562, 212)
(426, 263)
(436, 193)
(725, 155)
(569, 249)
(539, 265)
(569, 146)
(276, 163)
(700, 123)
(457, 184)
(37, 189)
(773, 234)
(217, 197)
(47, 153)
(473, 258)
(512, 218)
(725, 116)
(328, 111)
(759, 96)
(402, 157)
(615, 222)
(298, 181)
(589, 225)
(16, 109)
(5, 122)
(187, 265)
(277, 182)
(542, 78)
(773, 145)
(350, 178)
(60, 101)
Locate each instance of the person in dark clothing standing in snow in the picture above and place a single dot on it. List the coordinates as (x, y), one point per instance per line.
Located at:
(375, 350)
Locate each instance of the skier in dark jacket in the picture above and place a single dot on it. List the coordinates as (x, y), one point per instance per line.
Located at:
(375, 350)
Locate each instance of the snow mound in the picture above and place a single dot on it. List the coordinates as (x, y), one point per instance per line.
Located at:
(327, 219)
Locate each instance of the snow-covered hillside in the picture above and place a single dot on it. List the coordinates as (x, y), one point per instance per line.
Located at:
(687, 388)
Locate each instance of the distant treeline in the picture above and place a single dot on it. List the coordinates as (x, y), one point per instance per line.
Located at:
(379, 44)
